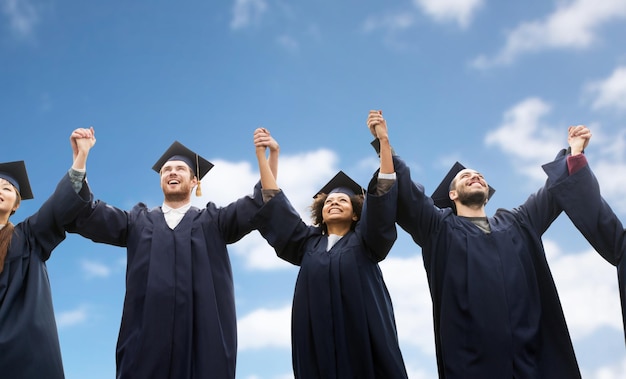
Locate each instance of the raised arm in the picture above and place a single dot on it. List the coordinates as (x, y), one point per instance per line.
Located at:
(378, 127)
(82, 140)
(577, 191)
(416, 213)
(379, 212)
(268, 168)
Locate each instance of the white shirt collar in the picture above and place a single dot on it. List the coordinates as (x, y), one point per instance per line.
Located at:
(181, 210)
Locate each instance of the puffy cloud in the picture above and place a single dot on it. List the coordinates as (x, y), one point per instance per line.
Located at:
(524, 136)
(573, 25)
(274, 333)
(609, 93)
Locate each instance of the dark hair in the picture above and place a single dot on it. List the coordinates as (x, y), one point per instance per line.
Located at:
(318, 204)
(18, 200)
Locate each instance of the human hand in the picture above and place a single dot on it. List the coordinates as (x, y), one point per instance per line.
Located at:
(377, 124)
(263, 140)
(578, 138)
(82, 140)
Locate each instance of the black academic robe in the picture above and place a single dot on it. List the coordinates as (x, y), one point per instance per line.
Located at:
(179, 318)
(496, 310)
(343, 324)
(593, 217)
(29, 343)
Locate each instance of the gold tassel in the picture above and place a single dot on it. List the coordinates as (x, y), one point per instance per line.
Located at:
(198, 187)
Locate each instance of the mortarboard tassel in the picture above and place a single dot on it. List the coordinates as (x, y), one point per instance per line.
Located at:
(199, 187)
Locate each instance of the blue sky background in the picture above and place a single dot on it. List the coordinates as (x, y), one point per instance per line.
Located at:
(492, 84)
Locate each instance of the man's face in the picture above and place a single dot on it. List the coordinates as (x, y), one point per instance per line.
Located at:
(470, 188)
(177, 181)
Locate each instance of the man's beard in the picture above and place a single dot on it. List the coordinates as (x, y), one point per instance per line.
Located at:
(472, 199)
(176, 196)
(180, 194)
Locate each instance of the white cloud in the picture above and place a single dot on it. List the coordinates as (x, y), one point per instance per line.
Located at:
(391, 24)
(524, 136)
(612, 179)
(586, 283)
(406, 280)
(610, 93)
(301, 175)
(257, 254)
(247, 12)
(71, 318)
(573, 25)
(530, 142)
(615, 371)
(226, 182)
(276, 330)
(459, 11)
(95, 269)
(22, 14)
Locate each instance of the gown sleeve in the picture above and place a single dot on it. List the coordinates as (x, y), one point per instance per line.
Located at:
(416, 212)
(579, 195)
(283, 228)
(235, 220)
(541, 208)
(104, 223)
(48, 224)
(378, 221)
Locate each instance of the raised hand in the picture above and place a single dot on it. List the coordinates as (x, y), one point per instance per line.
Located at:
(377, 124)
(578, 138)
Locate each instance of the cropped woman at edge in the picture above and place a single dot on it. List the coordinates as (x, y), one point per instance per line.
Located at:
(29, 343)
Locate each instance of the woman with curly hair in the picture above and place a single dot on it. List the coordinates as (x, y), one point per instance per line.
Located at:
(343, 324)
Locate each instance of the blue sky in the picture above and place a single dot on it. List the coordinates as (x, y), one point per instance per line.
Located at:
(489, 83)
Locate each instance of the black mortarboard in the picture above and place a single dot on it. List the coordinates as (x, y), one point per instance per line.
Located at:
(15, 173)
(179, 152)
(341, 183)
(441, 195)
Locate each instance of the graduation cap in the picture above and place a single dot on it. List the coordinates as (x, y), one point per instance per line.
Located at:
(15, 173)
(341, 183)
(179, 152)
(441, 195)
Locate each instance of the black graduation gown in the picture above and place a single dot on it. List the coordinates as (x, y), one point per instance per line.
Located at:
(29, 343)
(179, 318)
(593, 217)
(496, 310)
(343, 324)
